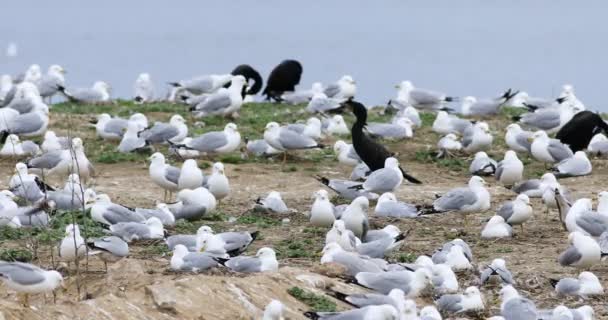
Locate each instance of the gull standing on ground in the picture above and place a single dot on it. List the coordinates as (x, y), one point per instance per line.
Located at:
(52, 142)
(218, 183)
(226, 102)
(284, 139)
(109, 128)
(517, 211)
(322, 211)
(510, 170)
(225, 141)
(345, 88)
(355, 217)
(143, 88)
(518, 139)
(163, 175)
(99, 92)
(64, 162)
(445, 123)
(497, 269)
(204, 84)
(27, 279)
(482, 165)
(549, 150)
(584, 251)
(174, 131)
(72, 246)
(109, 249)
(49, 83)
(575, 166)
(422, 98)
(477, 138)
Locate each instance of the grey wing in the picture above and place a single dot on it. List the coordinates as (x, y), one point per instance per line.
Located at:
(275, 205)
(467, 139)
(85, 95)
(21, 273)
(115, 214)
(450, 303)
(332, 90)
(506, 210)
(257, 147)
(375, 249)
(499, 170)
(384, 282)
(568, 286)
(439, 256)
(322, 105)
(546, 119)
(519, 309)
(47, 86)
(522, 140)
(160, 132)
(198, 261)
(297, 127)
(190, 212)
(455, 199)
(185, 239)
(386, 130)
(127, 230)
(198, 85)
(65, 200)
(172, 174)
(382, 180)
(244, 264)
(235, 240)
(215, 103)
(593, 223)
(485, 274)
(603, 242)
(130, 144)
(355, 264)
(505, 275)
(369, 299)
(461, 125)
(48, 160)
(30, 147)
(209, 141)
(34, 219)
(558, 150)
(570, 256)
(425, 96)
(113, 245)
(292, 140)
(352, 154)
(527, 185)
(486, 107)
(26, 123)
(116, 126)
(396, 209)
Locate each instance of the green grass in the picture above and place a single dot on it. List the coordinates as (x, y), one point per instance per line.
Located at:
(406, 258)
(317, 302)
(427, 118)
(259, 219)
(454, 164)
(297, 248)
(16, 254)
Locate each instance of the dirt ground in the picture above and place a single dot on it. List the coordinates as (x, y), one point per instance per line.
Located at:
(143, 287)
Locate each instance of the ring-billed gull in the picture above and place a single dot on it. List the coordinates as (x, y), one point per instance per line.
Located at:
(321, 103)
(353, 262)
(583, 252)
(13, 147)
(399, 129)
(210, 243)
(381, 247)
(109, 249)
(523, 100)
(518, 139)
(444, 279)
(29, 124)
(345, 188)
(234, 242)
(344, 88)
(482, 165)
(48, 84)
(382, 312)
(322, 211)
(395, 298)
(190, 177)
(447, 145)
(64, 162)
(549, 119)
(342, 236)
(472, 106)
(218, 183)
(549, 150)
(496, 270)
(260, 148)
(162, 174)
(161, 211)
(355, 217)
(411, 282)
(273, 202)
(110, 128)
(388, 206)
(103, 210)
(143, 88)
(346, 154)
(72, 246)
(27, 278)
(311, 129)
(454, 254)
(470, 300)
(7, 89)
(567, 93)
(410, 113)
(131, 141)
(52, 142)
(99, 92)
(283, 78)
(510, 170)
(26, 98)
(516, 307)
(387, 179)
(302, 96)
(422, 98)
(193, 204)
(598, 145)
(388, 231)
(203, 84)
(586, 285)
(265, 260)
(575, 166)
(473, 198)
(517, 211)
(226, 102)
(132, 231)
(174, 131)
(183, 260)
(496, 228)
(273, 311)
(224, 141)
(446, 123)
(583, 219)
(284, 139)
(477, 138)
(372, 153)
(335, 126)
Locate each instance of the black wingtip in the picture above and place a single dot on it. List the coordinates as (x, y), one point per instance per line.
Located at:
(4, 136)
(516, 118)
(138, 99)
(174, 84)
(447, 109)
(254, 235)
(409, 177)
(561, 100)
(311, 315)
(450, 99)
(323, 180)
(221, 261)
(553, 282)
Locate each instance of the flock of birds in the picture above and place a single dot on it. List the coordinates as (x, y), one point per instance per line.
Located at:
(377, 174)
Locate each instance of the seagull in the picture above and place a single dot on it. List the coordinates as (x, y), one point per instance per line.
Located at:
(225, 141)
(410, 113)
(49, 83)
(265, 260)
(311, 129)
(430, 313)
(190, 177)
(422, 98)
(445, 123)
(346, 153)
(302, 96)
(353, 262)
(272, 203)
(226, 102)
(64, 162)
(583, 219)
(510, 170)
(382, 312)
(347, 189)
(109, 249)
(193, 204)
(260, 148)
(598, 145)
(444, 279)
(342, 236)
(586, 285)
(143, 88)
(355, 217)
(218, 183)
(174, 131)
(13, 147)
(183, 260)
(109, 128)
(132, 231)
(473, 198)
(399, 129)
(284, 139)
(27, 278)
(204, 84)
(482, 165)
(470, 300)
(514, 306)
(99, 92)
(477, 138)
(336, 126)
(321, 103)
(454, 254)
(344, 88)
(53, 143)
(162, 174)
(72, 246)
(388, 206)
(496, 228)
(381, 247)
(571, 99)
(395, 298)
(387, 179)
(518, 139)
(210, 243)
(390, 231)
(517, 211)
(26, 98)
(548, 119)
(498, 270)
(161, 212)
(471, 106)
(549, 150)
(131, 141)
(108, 213)
(273, 311)
(322, 212)
(448, 144)
(411, 282)
(30, 124)
(584, 252)
(575, 166)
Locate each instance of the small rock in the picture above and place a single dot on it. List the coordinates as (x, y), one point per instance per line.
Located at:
(312, 280)
(285, 221)
(232, 220)
(163, 299)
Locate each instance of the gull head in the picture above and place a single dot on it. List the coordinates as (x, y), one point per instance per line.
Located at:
(582, 204)
(340, 146)
(339, 225)
(177, 119)
(483, 126)
(56, 69)
(230, 128)
(405, 86)
(157, 157)
(317, 87)
(90, 197)
(272, 126)
(561, 312)
(540, 134)
(602, 197)
(12, 139)
(55, 279)
(361, 203)
(496, 220)
(472, 291)
(274, 195)
(266, 253)
(50, 135)
(103, 117)
(481, 155)
(218, 168)
(511, 155)
(391, 162)
(575, 236)
(580, 155)
(409, 307)
(239, 81)
(321, 195)
(548, 178)
(430, 312)
(338, 119)
(508, 292)
(143, 77)
(77, 143)
(8, 194)
(33, 73)
(154, 222)
(523, 198)
(587, 276)
(6, 80)
(514, 127)
(392, 230)
(180, 250)
(273, 311)
(313, 122)
(451, 136)
(476, 181)
(587, 311)
(347, 79)
(387, 196)
(468, 100)
(567, 90)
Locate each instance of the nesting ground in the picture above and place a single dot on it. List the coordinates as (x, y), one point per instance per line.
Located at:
(143, 287)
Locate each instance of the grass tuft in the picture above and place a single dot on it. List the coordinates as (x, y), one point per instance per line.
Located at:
(317, 302)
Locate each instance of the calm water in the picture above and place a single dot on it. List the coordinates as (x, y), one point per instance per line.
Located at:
(459, 47)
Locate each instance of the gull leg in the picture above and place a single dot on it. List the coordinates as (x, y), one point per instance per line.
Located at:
(522, 227)
(284, 158)
(25, 300)
(105, 266)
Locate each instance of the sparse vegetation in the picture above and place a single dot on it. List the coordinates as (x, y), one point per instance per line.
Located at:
(317, 302)
(259, 220)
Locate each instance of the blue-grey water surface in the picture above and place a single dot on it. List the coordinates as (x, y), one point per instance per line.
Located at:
(471, 47)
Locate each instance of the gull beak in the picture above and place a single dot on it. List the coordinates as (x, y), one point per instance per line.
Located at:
(89, 202)
(63, 71)
(397, 86)
(531, 139)
(203, 248)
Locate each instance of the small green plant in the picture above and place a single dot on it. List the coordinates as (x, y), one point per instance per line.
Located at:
(454, 164)
(259, 220)
(427, 118)
(16, 254)
(8, 233)
(317, 302)
(296, 248)
(232, 159)
(406, 258)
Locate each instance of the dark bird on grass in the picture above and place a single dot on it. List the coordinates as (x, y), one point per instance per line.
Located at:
(370, 151)
(283, 78)
(249, 73)
(577, 132)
